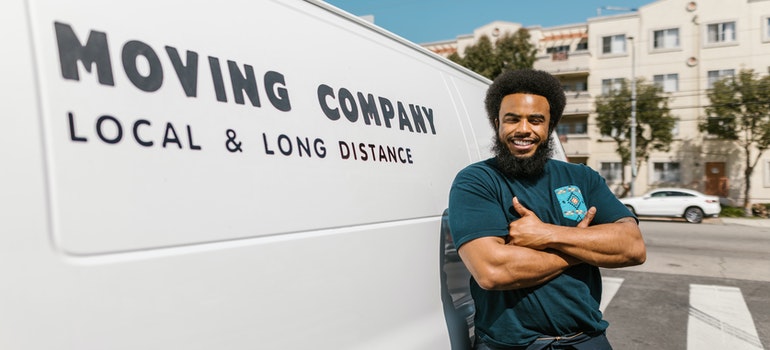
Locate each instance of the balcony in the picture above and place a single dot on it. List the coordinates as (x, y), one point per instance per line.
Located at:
(565, 64)
(578, 102)
(576, 145)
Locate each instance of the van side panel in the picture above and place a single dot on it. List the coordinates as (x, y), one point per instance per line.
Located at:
(267, 119)
(223, 175)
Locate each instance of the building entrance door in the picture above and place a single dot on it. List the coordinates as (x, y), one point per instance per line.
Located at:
(716, 180)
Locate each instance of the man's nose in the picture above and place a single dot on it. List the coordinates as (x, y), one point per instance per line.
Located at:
(523, 127)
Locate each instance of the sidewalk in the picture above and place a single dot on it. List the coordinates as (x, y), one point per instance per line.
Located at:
(756, 222)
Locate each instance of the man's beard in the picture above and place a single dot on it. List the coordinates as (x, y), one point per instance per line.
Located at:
(528, 167)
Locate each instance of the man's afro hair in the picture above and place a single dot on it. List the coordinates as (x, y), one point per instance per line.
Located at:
(528, 81)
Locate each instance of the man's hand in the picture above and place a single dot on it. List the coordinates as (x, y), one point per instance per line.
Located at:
(529, 231)
(588, 218)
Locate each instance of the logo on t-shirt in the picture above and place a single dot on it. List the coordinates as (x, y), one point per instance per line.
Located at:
(573, 206)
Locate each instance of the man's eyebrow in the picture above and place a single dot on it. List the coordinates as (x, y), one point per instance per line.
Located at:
(536, 115)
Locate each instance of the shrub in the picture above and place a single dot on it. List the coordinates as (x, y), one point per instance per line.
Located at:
(732, 212)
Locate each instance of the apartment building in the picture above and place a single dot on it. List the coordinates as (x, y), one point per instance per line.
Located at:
(685, 46)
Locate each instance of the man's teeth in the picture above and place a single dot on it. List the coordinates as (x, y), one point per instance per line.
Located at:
(522, 142)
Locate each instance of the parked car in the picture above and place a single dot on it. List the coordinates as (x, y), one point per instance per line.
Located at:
(691, 205)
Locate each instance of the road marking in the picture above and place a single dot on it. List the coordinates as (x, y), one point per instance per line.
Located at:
(719, 319)
(610, 286)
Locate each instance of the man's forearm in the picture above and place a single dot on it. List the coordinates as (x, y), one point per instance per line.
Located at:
(611, 245)
(506, 267)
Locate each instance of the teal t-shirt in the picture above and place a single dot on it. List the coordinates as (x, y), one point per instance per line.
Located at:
(481, 205)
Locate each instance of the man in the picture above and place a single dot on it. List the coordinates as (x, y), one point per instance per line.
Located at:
(534, 231)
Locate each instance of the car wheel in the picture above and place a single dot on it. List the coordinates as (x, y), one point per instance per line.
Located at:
(631, 209)
(693, 215)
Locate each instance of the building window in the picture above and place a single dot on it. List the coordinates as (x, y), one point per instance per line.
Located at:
(766, 26)
(561, 48)
(611, 85)
(582, 45)
(716, 75)
(666, 172)
(614, 44)
(766, 174)
(558, 53)
(572, 127)
(612, 172)
(675, 129)
(720, 33)
(715, 123)
(666, 39)
(668, 82)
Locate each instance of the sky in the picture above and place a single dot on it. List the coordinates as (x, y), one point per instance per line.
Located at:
(423, 21)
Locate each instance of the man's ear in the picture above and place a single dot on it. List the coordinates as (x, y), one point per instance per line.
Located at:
(497, 123)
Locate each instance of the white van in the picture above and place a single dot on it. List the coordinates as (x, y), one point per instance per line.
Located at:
(263, 174)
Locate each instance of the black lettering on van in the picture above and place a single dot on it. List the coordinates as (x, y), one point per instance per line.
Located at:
(419, 121)
(325, 91)
(71, 119)
(187, 73)
(369, 109)
(170, 136)
(267, 147)
(304, 146)
(403, 118)
(138, 139)
(95, 52)
(284, 144)
(100, 129)
(275, 85)
(192, 144)
(375, 152)
(154, 78)
(429, 115)
(388, 113)
(412, 119)
(348, 104)
(216, 77)
(245, 82)
(109, 129)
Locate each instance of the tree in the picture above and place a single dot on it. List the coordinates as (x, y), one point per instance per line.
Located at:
(740, 113)
(515, 51)
(509, 52)
(653, 118)
(481, 58)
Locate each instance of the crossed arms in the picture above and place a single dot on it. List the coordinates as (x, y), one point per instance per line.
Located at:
(535, 252)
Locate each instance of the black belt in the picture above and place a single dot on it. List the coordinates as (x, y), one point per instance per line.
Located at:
(579, 340)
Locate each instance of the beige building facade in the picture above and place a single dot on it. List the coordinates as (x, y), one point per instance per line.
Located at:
(682, 45)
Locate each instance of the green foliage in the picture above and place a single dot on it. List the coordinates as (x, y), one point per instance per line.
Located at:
(653, 117)
(509, 52)
(515, 51)
(481, 58)
(739, 110)
(732, 212)
(740, 113)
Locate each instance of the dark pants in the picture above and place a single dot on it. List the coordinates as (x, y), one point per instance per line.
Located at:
(580, 341)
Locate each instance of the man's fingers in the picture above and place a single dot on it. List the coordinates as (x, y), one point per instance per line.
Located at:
(520, 208)
(588, 218)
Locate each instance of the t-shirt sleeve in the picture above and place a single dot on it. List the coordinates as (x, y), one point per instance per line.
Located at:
(474, 206)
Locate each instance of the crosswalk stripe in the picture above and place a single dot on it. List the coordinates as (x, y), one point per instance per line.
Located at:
(610, 286)
(720, 319)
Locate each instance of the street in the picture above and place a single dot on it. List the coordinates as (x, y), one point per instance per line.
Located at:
(703, 287)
